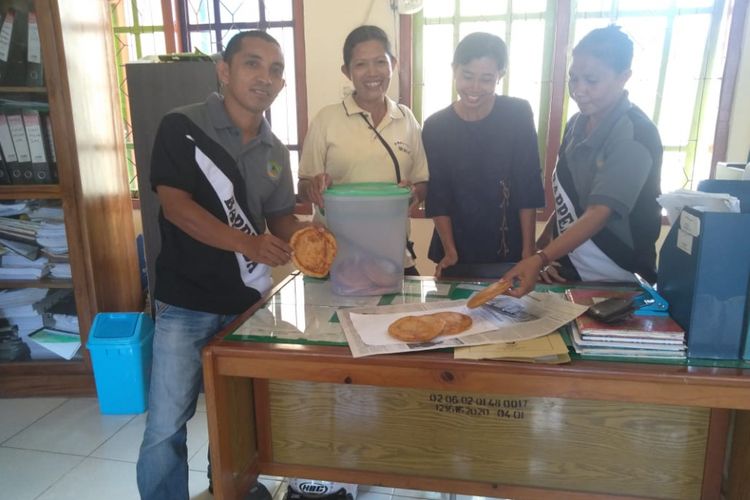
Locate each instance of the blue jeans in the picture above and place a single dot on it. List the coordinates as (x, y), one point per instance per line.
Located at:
(176, 379)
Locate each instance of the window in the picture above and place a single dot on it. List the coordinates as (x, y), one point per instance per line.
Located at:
(679, 47)
(138, 30)
(207, 25)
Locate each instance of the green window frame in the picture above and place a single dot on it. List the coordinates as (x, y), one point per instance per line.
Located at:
(687, 158)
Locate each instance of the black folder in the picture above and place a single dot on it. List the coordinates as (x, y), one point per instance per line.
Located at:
(15, 70)
(39, 164)
(9, 152)
(21, 143)
(34, 73)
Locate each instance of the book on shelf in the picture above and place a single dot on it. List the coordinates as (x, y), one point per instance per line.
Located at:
(9, 152)
(6, 35)
(15, 70)
(28, 250)
(21, 144)
(49, 145)
(651, 328)
(34, 69)
(29, 309)
(39, 163)
(58, 342)
(4, 173)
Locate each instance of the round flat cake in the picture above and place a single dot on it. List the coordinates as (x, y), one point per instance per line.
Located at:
(416, 328)
(454, 322)
(314, 249)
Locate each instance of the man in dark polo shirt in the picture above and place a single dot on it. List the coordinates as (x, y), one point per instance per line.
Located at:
(222, 177)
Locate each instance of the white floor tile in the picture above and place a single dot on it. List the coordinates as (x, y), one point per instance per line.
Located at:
(281, 490)
(76, 427)
(95, 479)
(363, 488)
(198, 485)
(201, 406)
(125, 443)
(432, 495)
(368, 495)
(271, 484)
(197, 435)
(199, 459)
(26, 474)
(18, 413)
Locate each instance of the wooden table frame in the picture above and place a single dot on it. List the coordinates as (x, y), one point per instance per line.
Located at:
(236, 376)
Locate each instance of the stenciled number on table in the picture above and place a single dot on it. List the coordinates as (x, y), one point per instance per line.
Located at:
(479, 406)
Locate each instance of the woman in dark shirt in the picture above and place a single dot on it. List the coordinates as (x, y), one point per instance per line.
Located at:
(485, 180)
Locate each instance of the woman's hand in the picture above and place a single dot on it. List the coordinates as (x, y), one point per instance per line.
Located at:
(413, 197)
(450, 258)
(316, 187)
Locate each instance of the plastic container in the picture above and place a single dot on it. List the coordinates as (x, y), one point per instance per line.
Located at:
(121, 347)
(369, 222)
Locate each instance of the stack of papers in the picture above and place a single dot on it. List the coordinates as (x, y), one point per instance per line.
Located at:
(56, 342)
(549, 349)
(675, 201)
(15, 266)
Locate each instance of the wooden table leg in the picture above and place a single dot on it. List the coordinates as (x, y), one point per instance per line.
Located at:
(231, 431)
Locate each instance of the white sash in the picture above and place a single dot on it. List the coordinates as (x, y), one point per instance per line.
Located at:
(590, 262)
(254, 275)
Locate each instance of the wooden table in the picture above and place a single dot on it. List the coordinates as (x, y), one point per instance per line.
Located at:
(584, 430)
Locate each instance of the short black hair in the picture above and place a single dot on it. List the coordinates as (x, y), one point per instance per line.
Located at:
(236, 42)
(362, 34)
(610, 45)
(477, 45)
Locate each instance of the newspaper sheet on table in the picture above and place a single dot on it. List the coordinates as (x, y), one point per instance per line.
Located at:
(504, 319)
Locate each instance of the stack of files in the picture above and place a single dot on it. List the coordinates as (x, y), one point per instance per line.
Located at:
(549, 349)
(61, 315)
(8, 209)
(56, 342)
(22, 307)
(60, 270)
(51, 235)
(21, 230)
(14, 266)
(635, 337)
(39, 211)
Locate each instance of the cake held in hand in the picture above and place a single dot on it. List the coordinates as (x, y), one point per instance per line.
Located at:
(314, 249)
(489, 293)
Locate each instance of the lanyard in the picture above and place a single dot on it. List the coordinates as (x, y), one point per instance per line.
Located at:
(386, 146)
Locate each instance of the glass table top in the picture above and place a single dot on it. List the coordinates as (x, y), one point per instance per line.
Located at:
(303, 310)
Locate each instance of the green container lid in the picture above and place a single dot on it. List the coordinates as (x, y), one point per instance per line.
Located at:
(367, 190)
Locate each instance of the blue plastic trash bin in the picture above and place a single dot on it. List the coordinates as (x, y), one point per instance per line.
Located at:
(120, 346)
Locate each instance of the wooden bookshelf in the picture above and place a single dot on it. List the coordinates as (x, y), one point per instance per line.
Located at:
(42, 283)
(80, 87)
(31, 192)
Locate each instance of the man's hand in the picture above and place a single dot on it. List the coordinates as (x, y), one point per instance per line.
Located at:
(267, 249)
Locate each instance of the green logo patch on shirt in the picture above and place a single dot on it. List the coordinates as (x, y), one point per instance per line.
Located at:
(273, 169)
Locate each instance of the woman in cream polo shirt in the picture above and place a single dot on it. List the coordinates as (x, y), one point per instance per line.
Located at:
(367, 137)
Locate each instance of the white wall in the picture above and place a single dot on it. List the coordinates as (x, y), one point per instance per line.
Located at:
(327, 22)
(739, 121)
